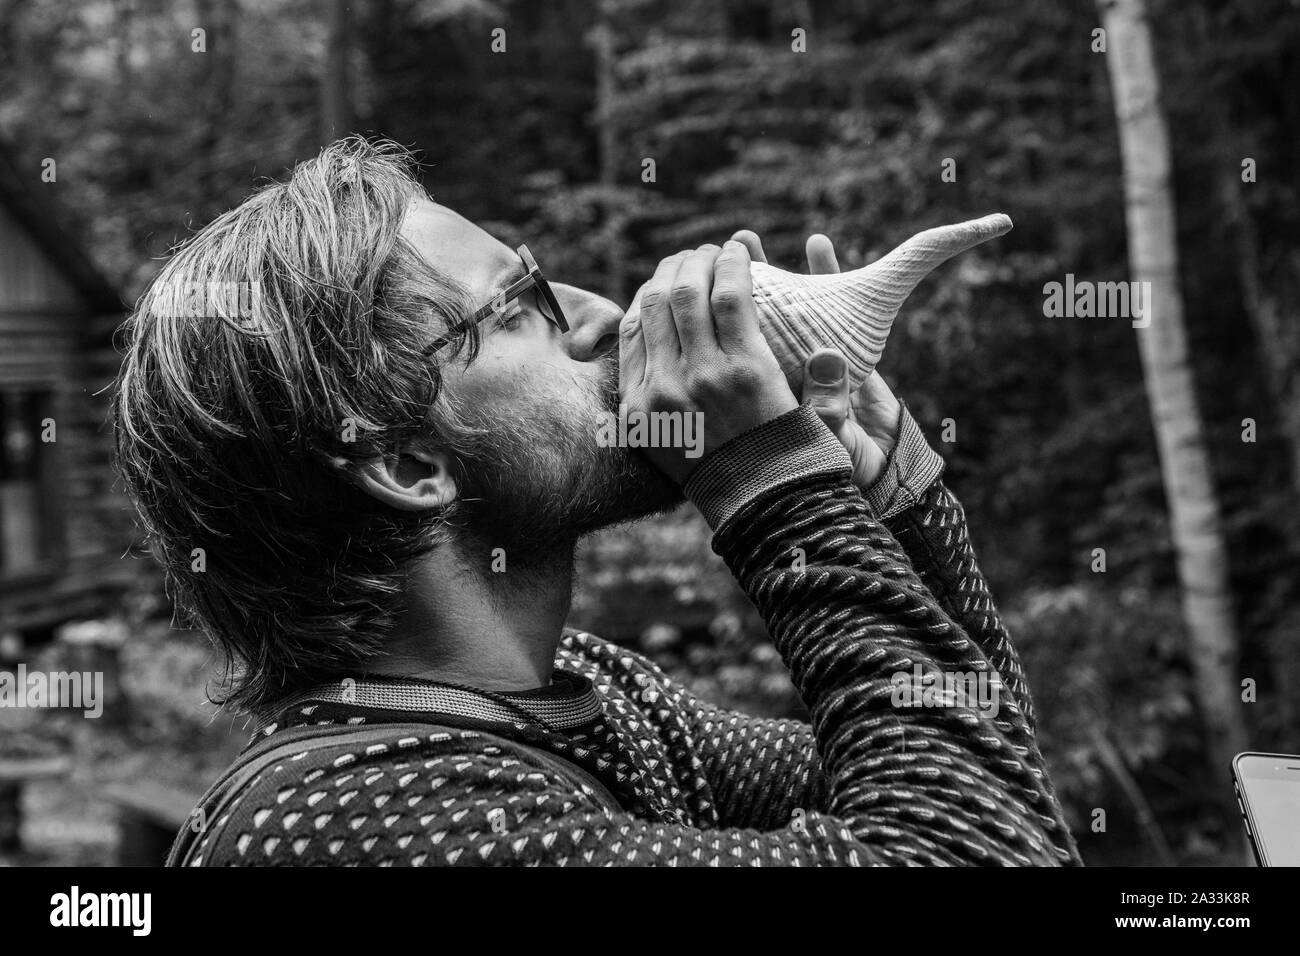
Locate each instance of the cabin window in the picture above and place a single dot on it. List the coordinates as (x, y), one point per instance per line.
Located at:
(27, 537)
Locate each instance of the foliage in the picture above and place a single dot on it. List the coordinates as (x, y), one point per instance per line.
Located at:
(1054, 453)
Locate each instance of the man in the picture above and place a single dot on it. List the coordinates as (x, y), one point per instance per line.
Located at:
(329, 475)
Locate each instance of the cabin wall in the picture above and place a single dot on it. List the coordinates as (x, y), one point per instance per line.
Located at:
(48, 341)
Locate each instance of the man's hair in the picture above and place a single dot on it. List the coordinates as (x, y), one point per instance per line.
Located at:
(288, 332)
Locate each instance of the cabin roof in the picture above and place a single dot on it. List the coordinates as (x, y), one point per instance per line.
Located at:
(64, 252)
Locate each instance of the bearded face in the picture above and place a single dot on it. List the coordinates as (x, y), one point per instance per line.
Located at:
(534, 478)
(521, 419)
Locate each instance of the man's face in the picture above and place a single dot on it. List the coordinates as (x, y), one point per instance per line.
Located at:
(538, 479)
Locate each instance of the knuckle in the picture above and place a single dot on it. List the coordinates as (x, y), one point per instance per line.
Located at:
(702, 382)
(660, 396)
(652, 299)
(832, 408)
(684, 296)
(726, 298)
(740, 379)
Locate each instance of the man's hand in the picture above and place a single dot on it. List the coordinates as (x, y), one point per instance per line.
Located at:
(865, 422)
(690, 343)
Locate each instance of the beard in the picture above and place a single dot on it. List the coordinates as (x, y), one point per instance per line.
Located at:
(536, 479)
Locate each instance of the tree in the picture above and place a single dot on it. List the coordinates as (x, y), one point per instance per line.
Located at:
(602, 41)
(1195, 522)
(336, 106)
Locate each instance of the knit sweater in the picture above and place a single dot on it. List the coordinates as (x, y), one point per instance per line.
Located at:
(851, 602)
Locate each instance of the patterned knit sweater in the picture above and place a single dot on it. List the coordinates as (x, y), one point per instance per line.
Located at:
(850, 600)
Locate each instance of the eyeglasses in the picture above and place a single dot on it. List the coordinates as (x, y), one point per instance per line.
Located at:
(546, 300)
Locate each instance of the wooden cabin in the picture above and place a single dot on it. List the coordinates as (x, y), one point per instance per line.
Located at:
(64, 527)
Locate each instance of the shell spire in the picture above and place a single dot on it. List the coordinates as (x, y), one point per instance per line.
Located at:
(854, 311)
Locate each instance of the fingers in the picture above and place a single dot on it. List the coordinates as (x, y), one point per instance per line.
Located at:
(821, 255)
(657, 325)
(875, 390)
(826, 387)
(820, 250)
(689, 300)
(877, 411)
(631, 347)
(734, 314)
(749, 239)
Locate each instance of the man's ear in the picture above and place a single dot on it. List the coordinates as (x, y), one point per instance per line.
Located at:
(417, 479)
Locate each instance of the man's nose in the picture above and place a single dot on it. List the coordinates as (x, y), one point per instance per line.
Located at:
(593, 322)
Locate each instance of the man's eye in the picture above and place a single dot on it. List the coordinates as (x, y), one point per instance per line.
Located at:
(509, 317)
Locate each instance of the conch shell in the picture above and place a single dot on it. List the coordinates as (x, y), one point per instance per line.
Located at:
(854, 311)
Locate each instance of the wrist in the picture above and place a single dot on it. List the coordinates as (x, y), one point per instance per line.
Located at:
(713, 431)
(787, 449)
(911, 467)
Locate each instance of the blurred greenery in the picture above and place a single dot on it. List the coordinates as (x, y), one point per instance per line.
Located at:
(1054, 453)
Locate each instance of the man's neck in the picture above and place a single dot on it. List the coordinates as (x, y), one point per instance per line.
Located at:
(467, 624)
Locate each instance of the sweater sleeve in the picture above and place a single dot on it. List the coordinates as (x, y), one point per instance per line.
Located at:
(762, 771)
(935, 536)
(930, 524)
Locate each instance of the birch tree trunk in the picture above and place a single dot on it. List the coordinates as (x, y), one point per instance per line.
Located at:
(1193, 505)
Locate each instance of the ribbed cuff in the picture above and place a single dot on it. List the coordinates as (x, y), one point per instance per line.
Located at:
(787, 449)
(911, 468)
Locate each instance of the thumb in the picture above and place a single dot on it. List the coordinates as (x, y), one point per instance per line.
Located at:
(826, 387)
(631, 347)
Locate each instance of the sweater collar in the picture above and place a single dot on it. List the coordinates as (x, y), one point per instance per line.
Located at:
(570, 701)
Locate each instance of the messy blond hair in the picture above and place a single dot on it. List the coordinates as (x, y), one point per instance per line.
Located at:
(226, 418)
